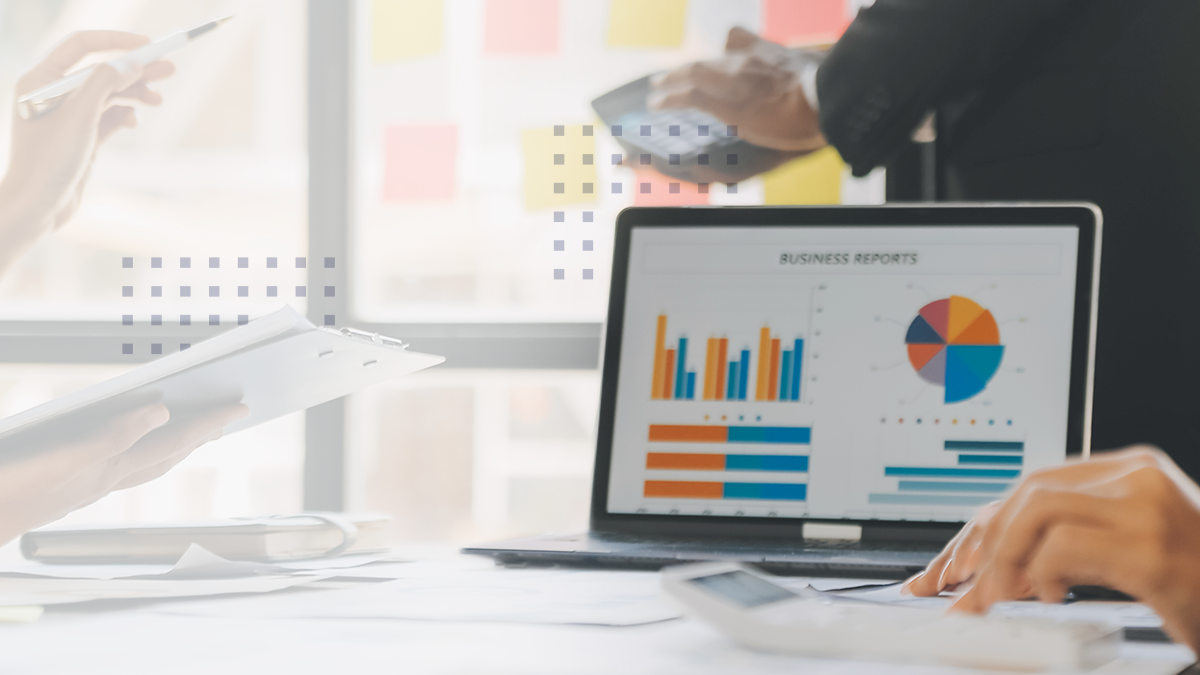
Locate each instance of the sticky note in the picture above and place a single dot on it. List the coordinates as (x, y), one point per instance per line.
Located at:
(521, 27)
(405, 29)
(646, 23)
(791, 22)
(660, 191)
(815, 178)
(419, 162)
(560, 166)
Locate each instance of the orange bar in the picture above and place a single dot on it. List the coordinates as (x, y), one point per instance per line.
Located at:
(670, 368)
(722, 366)
(691, 461)
(710, 370)
(773, 394)
(687, 433)
(764, 363)
(660, 357)
(680, 489)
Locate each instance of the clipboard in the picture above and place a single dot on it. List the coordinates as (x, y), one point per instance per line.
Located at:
(276, 365)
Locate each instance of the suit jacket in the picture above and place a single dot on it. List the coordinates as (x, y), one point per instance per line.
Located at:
(1095, 100)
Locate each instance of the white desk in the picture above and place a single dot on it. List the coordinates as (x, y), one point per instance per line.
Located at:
(148, 639)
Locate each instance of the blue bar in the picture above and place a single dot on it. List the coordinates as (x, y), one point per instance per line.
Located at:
(766, 463)
(680, 369)
(731, 385)
(993, 446)
(990, 459)
(788, 491)
(955, 473)
(802, 435)
(785, 375)
(939, 486)
(797, 356)
(743, 374)
(928, 500)
(691, 386)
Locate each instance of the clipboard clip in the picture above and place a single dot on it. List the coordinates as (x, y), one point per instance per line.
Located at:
(373, 338)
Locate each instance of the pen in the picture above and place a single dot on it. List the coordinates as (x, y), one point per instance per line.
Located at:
(44, 98)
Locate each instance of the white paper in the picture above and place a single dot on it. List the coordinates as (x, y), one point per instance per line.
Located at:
(473, 590)
(197, 562)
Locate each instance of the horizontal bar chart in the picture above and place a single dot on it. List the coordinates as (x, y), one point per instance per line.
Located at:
(704, 433)
(933, 472)
(675, 489)
(685, 461)
(990, 459)
(985, 446)
(928, 500)
(947, 486)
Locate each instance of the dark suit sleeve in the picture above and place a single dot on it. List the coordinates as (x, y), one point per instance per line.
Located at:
(900, 57)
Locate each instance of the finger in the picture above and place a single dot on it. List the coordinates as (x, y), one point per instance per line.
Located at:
(1006, 554)
(158, 70)
(707, 75)
(740, 39)
(65, 460)
(927, 583)
(92, 99)
(1073, 555)
(141, 93)
(177, 440)
(149, 473)
(692, 98)
(116, 117)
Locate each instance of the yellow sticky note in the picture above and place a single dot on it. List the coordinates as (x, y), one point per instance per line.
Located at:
(405, 29)
(815, 178)
(646, 23)
(560, 169)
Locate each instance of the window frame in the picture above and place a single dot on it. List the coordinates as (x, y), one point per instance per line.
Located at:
(331, 218)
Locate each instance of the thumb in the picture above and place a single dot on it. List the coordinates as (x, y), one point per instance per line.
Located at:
(740, 40)
(105, 80)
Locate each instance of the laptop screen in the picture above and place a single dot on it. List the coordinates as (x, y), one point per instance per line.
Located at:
(842, 372)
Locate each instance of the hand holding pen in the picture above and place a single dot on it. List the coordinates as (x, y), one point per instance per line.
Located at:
(52, 153)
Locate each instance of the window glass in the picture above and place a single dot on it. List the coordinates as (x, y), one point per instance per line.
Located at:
(471, 206)
(461, 456)
(218, 171)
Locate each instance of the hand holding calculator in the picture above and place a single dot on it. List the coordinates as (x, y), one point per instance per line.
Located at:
(760, 614)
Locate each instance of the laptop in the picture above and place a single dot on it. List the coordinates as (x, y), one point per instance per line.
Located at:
(830, 390)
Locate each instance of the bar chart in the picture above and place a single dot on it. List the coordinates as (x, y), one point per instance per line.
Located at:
(981, 472)
(765, 368)
(787, 463)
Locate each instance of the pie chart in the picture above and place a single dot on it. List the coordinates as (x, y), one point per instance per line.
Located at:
(955, 343)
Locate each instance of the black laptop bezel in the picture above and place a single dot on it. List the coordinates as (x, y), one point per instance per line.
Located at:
(1080, 215)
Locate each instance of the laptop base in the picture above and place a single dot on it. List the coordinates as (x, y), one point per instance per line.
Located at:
(815, 557)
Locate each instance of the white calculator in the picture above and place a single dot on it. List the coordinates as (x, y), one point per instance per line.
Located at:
(758, 613)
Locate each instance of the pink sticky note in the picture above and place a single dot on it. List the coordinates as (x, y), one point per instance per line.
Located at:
(801, 21)
(521, 27)
(654, 189)
(419, 162)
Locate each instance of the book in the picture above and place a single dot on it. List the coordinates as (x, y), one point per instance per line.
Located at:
(264, 539)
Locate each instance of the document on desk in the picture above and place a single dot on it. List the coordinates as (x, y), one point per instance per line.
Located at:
(196, 563)
(198, 573)
(471, 590)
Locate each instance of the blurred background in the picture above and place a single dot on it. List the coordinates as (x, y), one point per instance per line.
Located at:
(429, 125)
